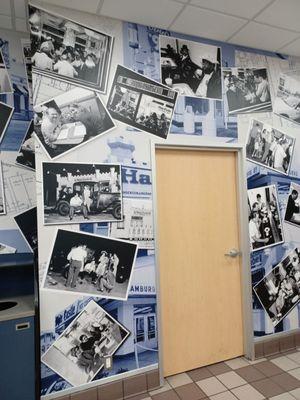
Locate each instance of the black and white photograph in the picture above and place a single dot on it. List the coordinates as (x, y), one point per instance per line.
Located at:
(26, 154)
(292, 211)
(269, 147)
(90, 264)
(6, 113)
(287, 100)
(247, 90)
(5, 249)
(2, 196)
(81, 192)
(79, 353)
(70, 120)
(5, 83)
(279, 290)
(191, 68)
(141, 102)
(75, 52)
(27, 223)
(265, 228)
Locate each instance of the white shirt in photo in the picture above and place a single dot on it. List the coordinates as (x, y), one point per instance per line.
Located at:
(41, 60)
(279, 156)
(253, 231)
(77, 254)
(75, 201)
(63, 67)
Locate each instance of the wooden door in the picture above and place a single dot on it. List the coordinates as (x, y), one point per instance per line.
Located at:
(200, 287)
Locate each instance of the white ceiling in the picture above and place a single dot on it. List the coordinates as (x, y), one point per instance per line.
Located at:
(266, 24)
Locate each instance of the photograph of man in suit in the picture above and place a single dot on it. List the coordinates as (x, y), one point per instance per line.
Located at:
(195, 73)
(292, 213)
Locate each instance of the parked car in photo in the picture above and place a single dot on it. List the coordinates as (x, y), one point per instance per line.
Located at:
(102, 199)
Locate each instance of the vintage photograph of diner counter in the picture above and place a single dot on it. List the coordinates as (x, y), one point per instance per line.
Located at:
(70, 120)
(141, 102)
(81, 192)
(60, 46)
(90, 264)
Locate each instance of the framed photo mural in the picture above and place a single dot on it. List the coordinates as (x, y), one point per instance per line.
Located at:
(79, 353)
(77, 192)
(70, 120)
(90, 265)
(141, 103)
(265, 227)
(63, 47)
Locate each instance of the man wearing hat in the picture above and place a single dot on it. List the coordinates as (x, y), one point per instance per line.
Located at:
(204, 80)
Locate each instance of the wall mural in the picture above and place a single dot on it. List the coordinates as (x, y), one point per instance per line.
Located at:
(101, 92)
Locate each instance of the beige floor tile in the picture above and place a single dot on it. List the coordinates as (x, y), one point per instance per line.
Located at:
(236, 363)
(284, 363)
(295, 373)
(223, 396)
(295, 393)
(179, 380)
(295, 356)
(211, 386)
(231, 379)
(247, 392)
(283, 396)
(162, 389)
(255, 361)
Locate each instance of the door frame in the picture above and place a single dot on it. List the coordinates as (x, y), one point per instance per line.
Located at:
(243, 239)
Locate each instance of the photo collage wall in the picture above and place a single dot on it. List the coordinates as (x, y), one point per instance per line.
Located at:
(101, 93)
(18, 239)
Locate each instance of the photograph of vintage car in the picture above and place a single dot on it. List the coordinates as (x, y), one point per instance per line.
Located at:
(77, 192)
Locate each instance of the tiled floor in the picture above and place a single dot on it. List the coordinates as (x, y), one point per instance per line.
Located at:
(275, 378)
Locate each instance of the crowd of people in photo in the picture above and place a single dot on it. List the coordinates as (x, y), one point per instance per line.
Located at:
(72, 62)
(269, 147)
(92, 346)
(264, 223)
(81, 266)
(283, 287)
(151, 120)
(154, 122)
(246, 88)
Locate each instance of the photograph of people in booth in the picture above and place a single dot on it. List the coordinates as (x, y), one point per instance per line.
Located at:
(279, 290)
(191, 68)
(292, 211)
(70, 120)
(74, 52)
(5, 83)
(269, 147)
(81, 192)
(141, 103)
(265, 228)
(79, 353)
(90, 264)
(247, 90)
(287, 100)
(26, 155)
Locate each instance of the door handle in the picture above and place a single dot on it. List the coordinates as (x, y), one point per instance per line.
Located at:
(233, 253)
